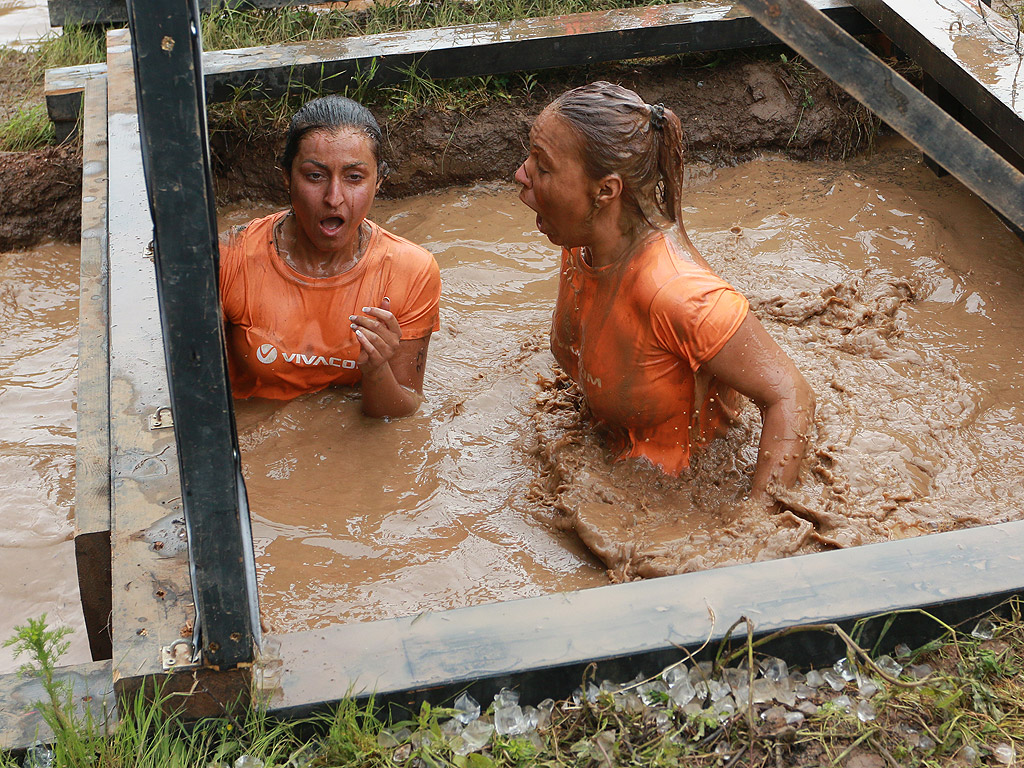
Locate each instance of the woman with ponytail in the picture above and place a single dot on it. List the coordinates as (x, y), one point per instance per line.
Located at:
(658, 343)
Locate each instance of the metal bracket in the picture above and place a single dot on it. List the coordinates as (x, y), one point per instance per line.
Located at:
(162, 419)
(177, 655)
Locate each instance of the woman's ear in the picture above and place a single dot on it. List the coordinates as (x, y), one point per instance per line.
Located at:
(287, 181)
(609, 189)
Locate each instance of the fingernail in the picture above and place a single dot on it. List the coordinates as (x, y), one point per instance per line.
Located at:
(366, 309)
(387, 299)
(353, 326)
(351, 317)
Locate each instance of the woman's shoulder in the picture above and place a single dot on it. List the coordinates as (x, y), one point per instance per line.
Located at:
(257, 230)
(402, 250)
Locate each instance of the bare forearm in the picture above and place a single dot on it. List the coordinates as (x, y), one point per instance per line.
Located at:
(785, 432)
(384, 397)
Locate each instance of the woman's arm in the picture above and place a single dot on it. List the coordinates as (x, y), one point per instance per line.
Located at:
(392, 369)
(754, 365)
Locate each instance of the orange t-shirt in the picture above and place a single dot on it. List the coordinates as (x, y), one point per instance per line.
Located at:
(288, 333)
(633, 336)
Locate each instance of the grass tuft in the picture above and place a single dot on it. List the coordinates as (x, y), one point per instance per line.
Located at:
(30, 128)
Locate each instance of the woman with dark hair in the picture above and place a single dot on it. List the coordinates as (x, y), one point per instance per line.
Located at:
(657, 342)
(319, 295)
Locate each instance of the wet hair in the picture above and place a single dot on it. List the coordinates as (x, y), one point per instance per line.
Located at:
(332, 113)
(620, 133)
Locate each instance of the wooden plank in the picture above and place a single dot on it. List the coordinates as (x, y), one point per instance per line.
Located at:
(970, 52)
(152, 596)
(869, 80)
(22, 725)
(92, 446)
(480, 49)
(542, 644)
(179, 184)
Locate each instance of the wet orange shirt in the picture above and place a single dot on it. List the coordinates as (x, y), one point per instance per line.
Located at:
(633, 336)
(288, 333)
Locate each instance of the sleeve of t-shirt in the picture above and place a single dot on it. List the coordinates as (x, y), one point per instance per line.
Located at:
(417, 313)
(231, 288)
(695, 314)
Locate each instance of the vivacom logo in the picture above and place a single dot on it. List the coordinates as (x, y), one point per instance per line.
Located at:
(267, 353)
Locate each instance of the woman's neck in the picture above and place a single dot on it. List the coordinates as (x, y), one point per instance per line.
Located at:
(612, 245)
(302, 256)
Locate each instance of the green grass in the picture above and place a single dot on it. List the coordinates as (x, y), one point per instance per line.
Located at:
(228, 28)
(971, 702)
(30, 128)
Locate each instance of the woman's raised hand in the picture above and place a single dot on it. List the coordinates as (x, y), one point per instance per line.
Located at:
(379, 334)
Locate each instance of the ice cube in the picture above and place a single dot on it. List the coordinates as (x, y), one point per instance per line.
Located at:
(1004, 753)
(920, 671)
(984, 630)
(467, 709)
(509, 721)
(867, 688)
(674, 674)
(473, 738)
(843, 703)
(506, 697)
(845, 669)
(835, 682)
(889, 665)
(865, 711)
(682, 692)
(795, 719)
(814, 679)
(544, 712)
(248, 761)
(775, 670)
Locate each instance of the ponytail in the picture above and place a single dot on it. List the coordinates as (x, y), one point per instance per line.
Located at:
(669, 190)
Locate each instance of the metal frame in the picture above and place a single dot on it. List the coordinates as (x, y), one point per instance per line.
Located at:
(546, 641)
(474, 49)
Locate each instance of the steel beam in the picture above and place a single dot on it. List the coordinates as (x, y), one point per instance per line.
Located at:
(869, 80)
(470, 50)
(179, 184)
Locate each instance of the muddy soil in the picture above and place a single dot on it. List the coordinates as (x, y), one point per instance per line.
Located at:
(731, 109)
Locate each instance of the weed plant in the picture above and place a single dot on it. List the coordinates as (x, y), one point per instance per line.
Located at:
(30, 128)
(957, 701)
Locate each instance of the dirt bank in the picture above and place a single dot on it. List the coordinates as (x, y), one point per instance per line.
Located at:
(40, 196)
(731, 110)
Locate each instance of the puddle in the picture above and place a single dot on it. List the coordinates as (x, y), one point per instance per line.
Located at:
(23, 22)
(896, 293)
(38, 362)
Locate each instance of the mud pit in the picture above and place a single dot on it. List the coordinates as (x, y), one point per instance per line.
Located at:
(38, 356)
(894, 292)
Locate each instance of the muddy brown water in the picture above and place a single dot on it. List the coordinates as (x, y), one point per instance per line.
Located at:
(38, 358)
(896, 293)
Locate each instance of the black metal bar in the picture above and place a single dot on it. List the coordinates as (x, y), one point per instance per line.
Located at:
(172, 123)
(869, 80)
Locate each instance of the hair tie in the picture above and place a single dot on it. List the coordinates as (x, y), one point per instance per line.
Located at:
(657, 116)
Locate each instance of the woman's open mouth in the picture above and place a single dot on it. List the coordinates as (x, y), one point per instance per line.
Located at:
(330, 226)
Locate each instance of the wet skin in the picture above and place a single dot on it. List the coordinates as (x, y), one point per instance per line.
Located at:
(574, 210)
(332, 184)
